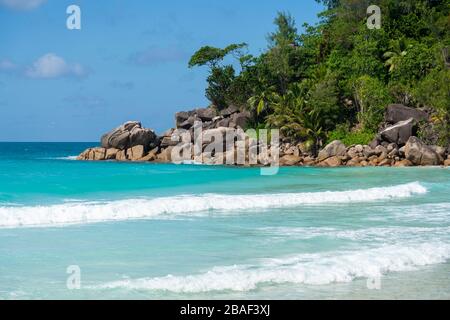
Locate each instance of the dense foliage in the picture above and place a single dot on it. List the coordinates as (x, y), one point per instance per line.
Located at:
(336, 79)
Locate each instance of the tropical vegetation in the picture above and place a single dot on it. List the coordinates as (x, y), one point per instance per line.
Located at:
(336, 78)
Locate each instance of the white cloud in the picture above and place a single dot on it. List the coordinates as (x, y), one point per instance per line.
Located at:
(52, 66)
(7, 66)
(22, 4)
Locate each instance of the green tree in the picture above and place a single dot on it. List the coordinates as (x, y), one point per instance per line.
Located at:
(280, 65)
(286, 33)
(212, 56)
(371, 97)
(219, 83)
(398, 49)
(304, 113)
(434, 90)
(339, 75)
(416, 62)
(221, 77)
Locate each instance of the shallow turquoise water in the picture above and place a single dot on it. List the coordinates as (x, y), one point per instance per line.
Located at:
(152, 231)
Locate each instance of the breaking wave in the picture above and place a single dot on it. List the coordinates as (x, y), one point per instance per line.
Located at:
(91, 212)
(310, 269)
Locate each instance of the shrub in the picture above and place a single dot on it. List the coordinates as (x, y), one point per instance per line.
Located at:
(434, 91)
(349, 137)
(371, 97)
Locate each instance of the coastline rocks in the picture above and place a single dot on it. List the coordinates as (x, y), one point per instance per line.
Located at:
(309, 161)
(353, 163)
(186, 119)
(151, 156)
(93, 154)
(368, 152)
(168, 142)
(165, 155)
(188, 123)
(441, 151)
(240, 120)
(332, 162)
(206, 114)
(290, 160)
(382, 152)
(420, 154)
(400, 132)
(376, 141)
(293, 150)
(447, 162)
(128, 135)
(111, 154)
(335, 148)
(230, 117)
(121, 155)
(403, 163)
(225, 122)
(171, 138)
(181, 117)
(229, 111)
(385, 163)
(395, 145)
(397, 112)
(135, 153)
(142, 137)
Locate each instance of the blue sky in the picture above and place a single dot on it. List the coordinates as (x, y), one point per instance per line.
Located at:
(128, 61)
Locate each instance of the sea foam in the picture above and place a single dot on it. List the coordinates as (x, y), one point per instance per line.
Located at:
(90, 212)
(311, 269)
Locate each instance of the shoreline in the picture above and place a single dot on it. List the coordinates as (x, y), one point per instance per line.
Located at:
(214, 137)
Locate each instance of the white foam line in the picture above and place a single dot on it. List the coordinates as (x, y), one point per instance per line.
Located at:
(391, 234)
(311, 269)
(74, 213)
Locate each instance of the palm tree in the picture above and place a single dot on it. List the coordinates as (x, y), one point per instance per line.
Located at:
(398, 50)
(260, 102)
(296, 117)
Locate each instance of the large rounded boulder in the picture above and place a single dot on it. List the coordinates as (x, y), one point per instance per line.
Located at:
(400, 132)
(334, 149)
(128, 135)
(420, 154)
(398, 112)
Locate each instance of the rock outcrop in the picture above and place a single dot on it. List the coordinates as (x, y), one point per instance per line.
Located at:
(111, 153)
(398, 112)
(420, 154)
(290, 160)
(400, 132)
(447, 162)
(128, 135)
(333, 161)
(93, 154)
(395, 145)
(230, 117)
(335, 148)
(136, 153)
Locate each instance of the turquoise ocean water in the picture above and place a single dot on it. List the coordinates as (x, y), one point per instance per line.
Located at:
(157, 231)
